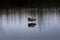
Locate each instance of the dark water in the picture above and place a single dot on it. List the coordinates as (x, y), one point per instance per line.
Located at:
(14, 25)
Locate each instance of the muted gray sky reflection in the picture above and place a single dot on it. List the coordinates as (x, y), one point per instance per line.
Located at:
(16, 27)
